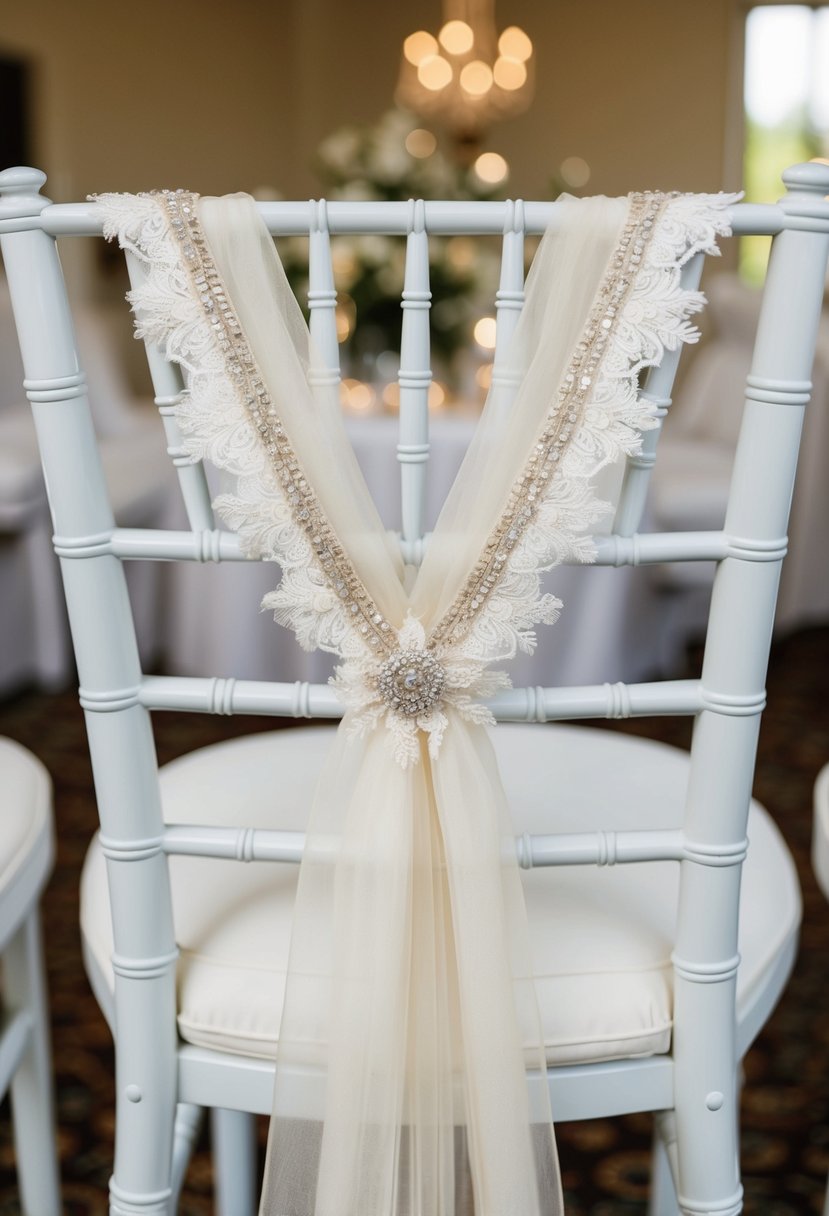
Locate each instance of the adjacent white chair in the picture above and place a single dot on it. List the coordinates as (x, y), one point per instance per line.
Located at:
(26, 859)
(660, 949)
(35, 646)
(820, 854)
(820, 831)
(690, 483)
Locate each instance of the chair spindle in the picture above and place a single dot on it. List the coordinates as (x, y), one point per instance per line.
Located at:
(324, 374)
(168, 384)
(415, 376)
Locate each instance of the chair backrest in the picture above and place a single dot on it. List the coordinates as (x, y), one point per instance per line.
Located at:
(726, 701)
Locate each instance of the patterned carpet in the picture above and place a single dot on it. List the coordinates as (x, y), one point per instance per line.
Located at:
(605, 1163)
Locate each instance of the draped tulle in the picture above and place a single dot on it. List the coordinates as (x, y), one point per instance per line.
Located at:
(561, 287)
(410, 937)
(410, 943)
(416, 1086)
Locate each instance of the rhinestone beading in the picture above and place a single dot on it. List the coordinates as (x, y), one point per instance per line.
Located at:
(562, 421)
(210, 291)
(411, 682)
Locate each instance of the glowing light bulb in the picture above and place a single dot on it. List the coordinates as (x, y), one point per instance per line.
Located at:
(345, 313)
(456, 37)
(575, 171)
(420, 143)
(344, 262)
(476, 78)
(434, 73)
(515, 44)
(391, 397)
(483, 375)
(343, 323)
(437, 395)
(509, 74)
(419, 46)
(491, 168)
(357, 396)
(484, 332)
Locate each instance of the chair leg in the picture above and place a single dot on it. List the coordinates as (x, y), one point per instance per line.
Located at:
(185, 1134)
(707, 1165)
(663, 1200)
(146, 1073)
(234, 1161)
(31, 1088)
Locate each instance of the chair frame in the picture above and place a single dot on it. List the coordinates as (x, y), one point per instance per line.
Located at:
(160, 1082)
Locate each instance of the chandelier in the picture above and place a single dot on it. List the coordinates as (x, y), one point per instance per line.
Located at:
(467, 77)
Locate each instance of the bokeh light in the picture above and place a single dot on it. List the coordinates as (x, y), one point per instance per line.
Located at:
(456, 37)
(419, 46)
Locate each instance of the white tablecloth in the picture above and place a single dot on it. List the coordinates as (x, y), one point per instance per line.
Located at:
(214, 625)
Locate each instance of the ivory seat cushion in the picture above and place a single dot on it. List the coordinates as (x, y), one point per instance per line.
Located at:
(26, 839)
(820, 831)
(601, 937)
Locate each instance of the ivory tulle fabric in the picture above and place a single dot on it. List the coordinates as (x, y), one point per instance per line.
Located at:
(418, 1090)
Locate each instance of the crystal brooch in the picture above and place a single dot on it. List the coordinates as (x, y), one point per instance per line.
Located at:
(411, 682)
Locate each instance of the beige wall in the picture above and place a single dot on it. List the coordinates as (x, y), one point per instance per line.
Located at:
(638, 88)
(156, 92)
(236, 95)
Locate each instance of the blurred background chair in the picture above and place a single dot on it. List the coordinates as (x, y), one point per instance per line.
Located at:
(820, 853)
(26, 860)
(689, 488)
(34, 644)
(820, 831)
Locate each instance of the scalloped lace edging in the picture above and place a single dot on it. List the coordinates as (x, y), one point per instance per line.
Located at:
(655, 318)
(215, 429)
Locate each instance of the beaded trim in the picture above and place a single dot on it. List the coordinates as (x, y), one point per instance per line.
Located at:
(528, 491)
(334, 563)
(562, 421)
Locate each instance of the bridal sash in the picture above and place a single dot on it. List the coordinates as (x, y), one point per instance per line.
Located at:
(410, 940)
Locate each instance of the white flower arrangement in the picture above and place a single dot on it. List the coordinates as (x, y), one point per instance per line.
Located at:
(374, 162)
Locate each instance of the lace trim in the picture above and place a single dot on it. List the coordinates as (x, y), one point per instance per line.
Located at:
(641, 310)
(183, 307)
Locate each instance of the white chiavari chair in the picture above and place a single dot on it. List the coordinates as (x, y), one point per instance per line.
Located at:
(655, 967)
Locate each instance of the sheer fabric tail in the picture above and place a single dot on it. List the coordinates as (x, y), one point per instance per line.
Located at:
(410, 1015)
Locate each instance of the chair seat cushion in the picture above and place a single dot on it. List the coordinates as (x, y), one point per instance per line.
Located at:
(601, 937)
(26, 841)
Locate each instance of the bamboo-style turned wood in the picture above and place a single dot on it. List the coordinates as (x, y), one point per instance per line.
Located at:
(696, 1081)
(168, 384)
(509, 298)
(322, 304)
(415, 376)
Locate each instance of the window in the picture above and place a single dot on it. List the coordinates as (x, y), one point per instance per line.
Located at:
(786, 105)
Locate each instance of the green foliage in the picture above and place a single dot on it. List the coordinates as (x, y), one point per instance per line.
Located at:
(372, 163)
(768, 151)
